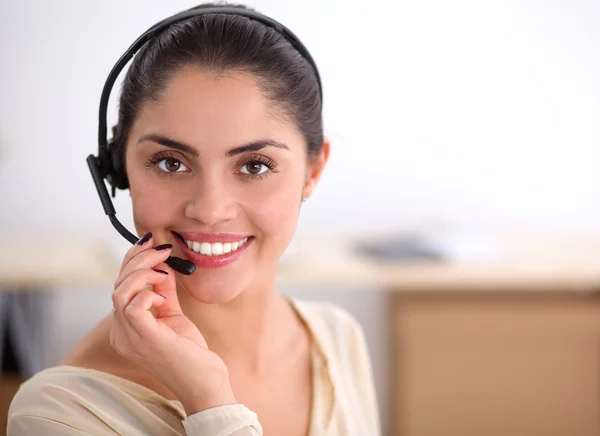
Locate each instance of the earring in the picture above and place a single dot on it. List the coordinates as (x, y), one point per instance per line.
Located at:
(304, 199)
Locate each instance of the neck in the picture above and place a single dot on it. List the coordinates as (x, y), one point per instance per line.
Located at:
(246, 331)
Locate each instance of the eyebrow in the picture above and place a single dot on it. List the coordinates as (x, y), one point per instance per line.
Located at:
(168, 142)
(257, 145)
(252, 146)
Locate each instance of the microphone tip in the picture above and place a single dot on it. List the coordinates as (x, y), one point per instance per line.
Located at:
(180, 265)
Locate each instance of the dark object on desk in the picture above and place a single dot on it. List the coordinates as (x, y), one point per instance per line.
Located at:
(400, 248)
(25, 316)
(9, 359)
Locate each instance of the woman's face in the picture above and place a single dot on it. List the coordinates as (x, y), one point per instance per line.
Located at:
(213, 161)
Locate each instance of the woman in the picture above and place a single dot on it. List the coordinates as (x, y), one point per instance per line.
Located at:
(220, 137)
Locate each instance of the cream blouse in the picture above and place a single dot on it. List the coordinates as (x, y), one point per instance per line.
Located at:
(69, 401)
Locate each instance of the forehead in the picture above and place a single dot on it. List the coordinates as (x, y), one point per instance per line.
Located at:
(206, 108)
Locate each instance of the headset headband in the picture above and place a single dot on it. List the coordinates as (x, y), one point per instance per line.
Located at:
(161, 25)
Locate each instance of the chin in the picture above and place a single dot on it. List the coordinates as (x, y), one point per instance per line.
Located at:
(213, 291)
(215, 296)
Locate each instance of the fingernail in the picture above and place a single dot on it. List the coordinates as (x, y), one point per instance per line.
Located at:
(144, 239)
(161, 271)
(162, 296)
(163, 247)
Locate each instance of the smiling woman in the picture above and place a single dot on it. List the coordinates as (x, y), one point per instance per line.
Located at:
(219, 139)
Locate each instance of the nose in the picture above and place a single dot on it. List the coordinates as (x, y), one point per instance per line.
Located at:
(211, 204)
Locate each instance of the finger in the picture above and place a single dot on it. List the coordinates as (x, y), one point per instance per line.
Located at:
(133, 284)
(125, 338)
(143, 243)
(139, 316)
(146, 258)
(168, 289)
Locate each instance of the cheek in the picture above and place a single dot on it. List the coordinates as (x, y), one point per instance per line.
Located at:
(153, 200)
(276, 213)
(153, 206)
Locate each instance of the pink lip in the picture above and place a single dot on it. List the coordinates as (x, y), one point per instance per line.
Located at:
(213, 237)
(213, 261)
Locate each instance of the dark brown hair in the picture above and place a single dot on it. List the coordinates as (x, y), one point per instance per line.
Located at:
(221, 43)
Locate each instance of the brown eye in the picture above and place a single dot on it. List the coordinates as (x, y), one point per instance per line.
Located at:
(171, 165)
(254, 168)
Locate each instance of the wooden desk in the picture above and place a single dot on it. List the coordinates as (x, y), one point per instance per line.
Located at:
(504, 347)
(45, 261)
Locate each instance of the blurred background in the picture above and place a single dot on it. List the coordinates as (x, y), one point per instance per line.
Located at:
(458, 219)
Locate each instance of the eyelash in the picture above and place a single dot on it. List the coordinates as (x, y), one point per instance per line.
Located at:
(153, 162)
(271, 165)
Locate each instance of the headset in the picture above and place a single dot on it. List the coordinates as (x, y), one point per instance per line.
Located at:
(102, 166)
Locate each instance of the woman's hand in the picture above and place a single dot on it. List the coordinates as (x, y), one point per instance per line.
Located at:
(167, 344)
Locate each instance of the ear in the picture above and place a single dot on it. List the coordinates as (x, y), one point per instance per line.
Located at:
(315, 168)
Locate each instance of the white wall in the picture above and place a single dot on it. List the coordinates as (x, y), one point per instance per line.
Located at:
(461, 113)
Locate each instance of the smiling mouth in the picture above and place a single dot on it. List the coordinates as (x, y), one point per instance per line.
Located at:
(213, 248)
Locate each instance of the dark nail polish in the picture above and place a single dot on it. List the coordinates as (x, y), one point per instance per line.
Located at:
(163, 247)
(161, 271)
(144, 239)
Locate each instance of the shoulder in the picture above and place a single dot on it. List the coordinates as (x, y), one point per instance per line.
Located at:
(51, 397)
(39, 392)
(84, 400)
(335, 328)
(341, 340)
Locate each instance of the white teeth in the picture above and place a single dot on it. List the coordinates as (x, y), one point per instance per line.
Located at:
(216, 249)
(204, 249)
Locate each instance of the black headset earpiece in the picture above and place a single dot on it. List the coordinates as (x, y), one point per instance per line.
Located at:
(105, 166)
(116, 176)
